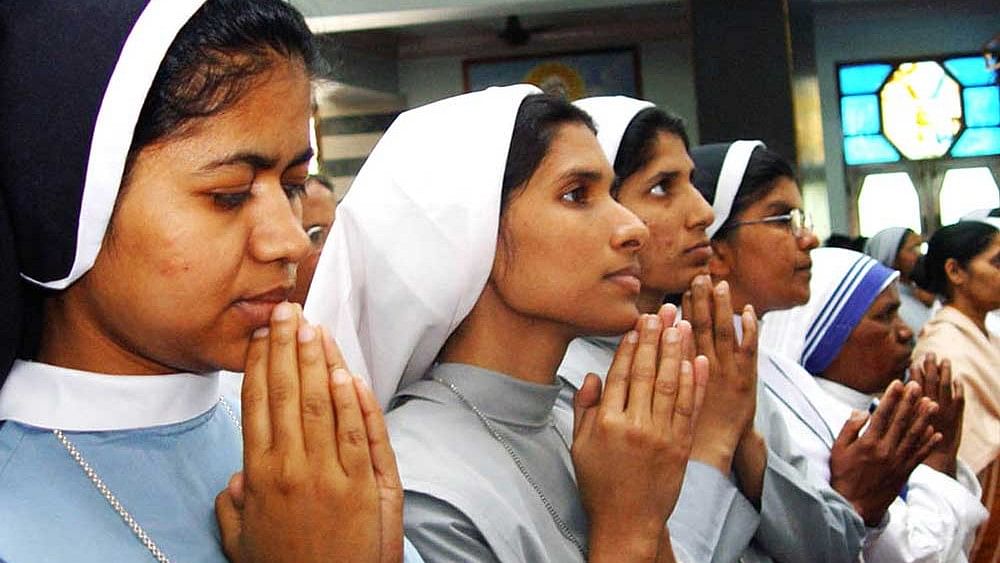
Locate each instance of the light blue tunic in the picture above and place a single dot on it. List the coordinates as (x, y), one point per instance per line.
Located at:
(166, 475)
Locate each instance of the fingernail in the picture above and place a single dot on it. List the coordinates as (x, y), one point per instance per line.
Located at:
(722, 288)
(261, 332)
(750, 309)
(673, 335)
(283, 311)
(652, 322)
(306, 333)
(632, 337)
(340, 376)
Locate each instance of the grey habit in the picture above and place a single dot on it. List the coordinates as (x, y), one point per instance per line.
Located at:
(465, 498)
(801, 518)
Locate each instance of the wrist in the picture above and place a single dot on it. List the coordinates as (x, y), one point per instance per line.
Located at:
(717, 449)
(630, 545)
(944, 462)
(624, 541)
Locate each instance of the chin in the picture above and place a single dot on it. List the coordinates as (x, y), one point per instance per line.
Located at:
(613, 323)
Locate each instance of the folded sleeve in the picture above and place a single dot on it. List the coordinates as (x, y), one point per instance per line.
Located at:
(712, 520)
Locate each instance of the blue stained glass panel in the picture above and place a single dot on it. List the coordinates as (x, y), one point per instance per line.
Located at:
(869, 149)
(860, 114)
(982, 106)
(979, 141)
(863, 79)
(970, 71)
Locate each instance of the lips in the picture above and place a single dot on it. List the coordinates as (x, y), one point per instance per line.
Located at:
(627, 278)
(256, 308)
(701, 251)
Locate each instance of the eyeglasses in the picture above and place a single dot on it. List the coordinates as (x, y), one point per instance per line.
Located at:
(799, 221)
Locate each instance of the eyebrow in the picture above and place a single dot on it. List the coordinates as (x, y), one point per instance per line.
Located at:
(666, 176)
(778, 207)
(587, 174)
(256, 161)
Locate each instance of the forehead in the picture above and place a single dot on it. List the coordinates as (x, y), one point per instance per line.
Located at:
(993, 248)
(574, 147)
(783, 195)
(887, 298)
(669, 151)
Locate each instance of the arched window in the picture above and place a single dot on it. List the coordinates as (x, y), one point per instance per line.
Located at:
(965, 190)
(888, 200)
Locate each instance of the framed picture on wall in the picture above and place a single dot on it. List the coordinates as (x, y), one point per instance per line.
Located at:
(574, 74)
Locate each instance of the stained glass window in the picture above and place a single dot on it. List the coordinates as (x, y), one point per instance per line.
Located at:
(915, 110)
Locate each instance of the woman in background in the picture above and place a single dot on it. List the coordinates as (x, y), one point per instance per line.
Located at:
(962, 266)
(850, 338)
(899, 248)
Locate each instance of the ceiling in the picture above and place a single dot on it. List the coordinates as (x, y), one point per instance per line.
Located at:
(332, 16)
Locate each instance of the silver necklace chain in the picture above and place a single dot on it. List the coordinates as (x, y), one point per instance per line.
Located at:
(561, 524)
(109, 496)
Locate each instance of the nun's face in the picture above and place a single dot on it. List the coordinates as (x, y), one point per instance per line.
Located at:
(766, 265)
(878, 349)
(569, 253)
(662, 195)
(979, 281)
(319, 205)
(205, 238)
(909, 252)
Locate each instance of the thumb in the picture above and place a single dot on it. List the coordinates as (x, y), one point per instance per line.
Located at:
(235, 489)
(586, 398)
(230, 523)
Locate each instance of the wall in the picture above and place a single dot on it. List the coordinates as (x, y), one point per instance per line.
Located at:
(855, 32)
(665, 66)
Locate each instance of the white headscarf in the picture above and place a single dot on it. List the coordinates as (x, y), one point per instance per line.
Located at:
(721, 168)
(612, 116)
(414, 240)
(844, 284)
(884, 246)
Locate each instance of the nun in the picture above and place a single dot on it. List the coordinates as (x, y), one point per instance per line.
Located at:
(478, 240)
(155, 217)
(761, 245)
(737, 491)
(850, 321)
(899, 248)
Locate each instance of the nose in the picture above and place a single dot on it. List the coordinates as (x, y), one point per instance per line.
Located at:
(277, 234)
(700, 214)
(629, 233)
(903, 331)
(808, 240)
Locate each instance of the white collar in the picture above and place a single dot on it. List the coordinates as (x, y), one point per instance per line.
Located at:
(48, 396)
(850, 397)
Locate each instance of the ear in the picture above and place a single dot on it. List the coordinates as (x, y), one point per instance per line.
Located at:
(957, 276)
(720, 265)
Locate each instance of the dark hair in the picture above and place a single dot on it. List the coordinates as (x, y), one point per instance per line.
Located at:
(321, 180)
(538, 119)
(857, 244)
(639, 141)
(214, 59)
(962, 241)
(762, 173)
